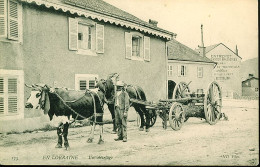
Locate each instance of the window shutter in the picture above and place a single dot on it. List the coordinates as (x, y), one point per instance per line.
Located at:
(147, 48)
(185, 70)
(198, 72)
(82, 85)
(73, 34)
(3, 18)
(91, 84)
(179, 70)
(13, 28)
(1, 94)
(99, 38)
(201, 72)
(128, 45)
(1, 86)
(12, 95)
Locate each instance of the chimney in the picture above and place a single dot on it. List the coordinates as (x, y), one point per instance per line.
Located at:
(236, 50)
(153, 22)
(202, 48)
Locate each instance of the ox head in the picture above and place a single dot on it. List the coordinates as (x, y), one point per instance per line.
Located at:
(39, 98)
(107, 86)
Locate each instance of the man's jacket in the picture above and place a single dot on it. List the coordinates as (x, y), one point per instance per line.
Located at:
(122, 101)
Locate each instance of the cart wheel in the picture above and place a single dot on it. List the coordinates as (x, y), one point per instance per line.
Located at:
(176, 116)
(153, 117)
(213, 103)
(181, 90)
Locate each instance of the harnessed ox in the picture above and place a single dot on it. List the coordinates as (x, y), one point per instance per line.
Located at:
(63, 102)
(135, 92)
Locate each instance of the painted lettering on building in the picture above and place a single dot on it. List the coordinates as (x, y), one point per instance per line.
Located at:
(226, 66)
(223, 58)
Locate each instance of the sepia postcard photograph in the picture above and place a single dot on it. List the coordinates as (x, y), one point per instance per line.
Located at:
(129, 82)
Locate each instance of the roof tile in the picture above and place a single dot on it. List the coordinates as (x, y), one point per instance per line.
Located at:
(178, 51)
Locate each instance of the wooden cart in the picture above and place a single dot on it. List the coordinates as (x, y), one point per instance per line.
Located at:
(186, 104)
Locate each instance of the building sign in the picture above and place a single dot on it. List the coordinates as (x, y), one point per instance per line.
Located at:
(222, 58)
(226, 67)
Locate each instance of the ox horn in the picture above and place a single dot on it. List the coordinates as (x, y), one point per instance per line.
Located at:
(28, 86)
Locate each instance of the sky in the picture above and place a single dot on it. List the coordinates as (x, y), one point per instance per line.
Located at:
(231, 22)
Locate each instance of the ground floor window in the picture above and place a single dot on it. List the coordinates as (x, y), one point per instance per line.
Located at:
(85, 81)
(11, 92)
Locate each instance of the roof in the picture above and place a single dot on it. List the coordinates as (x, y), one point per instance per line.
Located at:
(105, 8)
(103, 11)
(181, 52)
(249, 78)
(211, 47)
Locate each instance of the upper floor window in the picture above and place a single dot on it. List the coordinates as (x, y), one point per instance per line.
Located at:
(137, 46)
(182, 70)
(11, 20)
(86, 36)
(170, 70)
(200, 72)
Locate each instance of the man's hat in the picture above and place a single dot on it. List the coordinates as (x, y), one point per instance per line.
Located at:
(120, 83)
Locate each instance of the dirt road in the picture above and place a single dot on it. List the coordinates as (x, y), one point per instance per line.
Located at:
(233, 142)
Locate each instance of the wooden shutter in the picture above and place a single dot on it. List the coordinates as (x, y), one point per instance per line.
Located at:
(99, 38)
(82, 85)
(3, 14)
(1, 95)
(179, 70)
(12, 95)
(13, 27)
(185, 70)
(147, 48)
(73, 34)
(128, 45)
(91, 84)
(201, 70)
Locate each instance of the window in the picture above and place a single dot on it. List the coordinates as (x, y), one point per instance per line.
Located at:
(86, 36)
(137, 46)
(11, 98)
(10, 20)
(256, 89)
(170, 70)
(182, 70)
(85, 81)
(200, 72)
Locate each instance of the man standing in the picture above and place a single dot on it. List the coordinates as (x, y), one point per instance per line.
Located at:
(121, 111)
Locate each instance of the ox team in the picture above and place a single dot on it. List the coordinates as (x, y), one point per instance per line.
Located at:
(42, 96)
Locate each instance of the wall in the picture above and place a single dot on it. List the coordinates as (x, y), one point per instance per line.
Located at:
(227, 70)
(251, 89)
(45, 58)
(191, 74)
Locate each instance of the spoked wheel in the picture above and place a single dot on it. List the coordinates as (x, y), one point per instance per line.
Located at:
(176, 116)
(213, 103)
(153, 117)
(181, 90)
